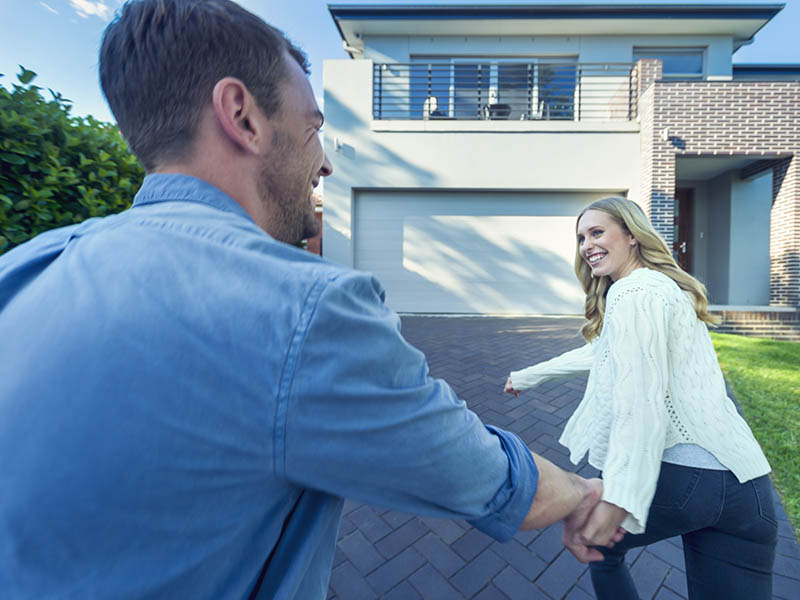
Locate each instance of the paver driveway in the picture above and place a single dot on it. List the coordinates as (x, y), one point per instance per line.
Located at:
(390, 555)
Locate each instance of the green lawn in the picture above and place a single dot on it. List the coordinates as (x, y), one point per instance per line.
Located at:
(765, 378)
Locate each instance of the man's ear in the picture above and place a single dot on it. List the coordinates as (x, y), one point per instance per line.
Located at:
(238, 115)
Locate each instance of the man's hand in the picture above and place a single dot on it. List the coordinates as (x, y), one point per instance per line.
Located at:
(602, 528)
(509, 389)
(574, 522)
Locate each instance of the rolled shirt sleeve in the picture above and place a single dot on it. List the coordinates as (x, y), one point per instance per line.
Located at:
(569, 364)
(360, 417)
(637, 332)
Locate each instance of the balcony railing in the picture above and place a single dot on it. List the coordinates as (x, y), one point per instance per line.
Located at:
(547, 91)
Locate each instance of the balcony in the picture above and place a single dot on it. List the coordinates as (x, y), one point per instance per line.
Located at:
(504, 91)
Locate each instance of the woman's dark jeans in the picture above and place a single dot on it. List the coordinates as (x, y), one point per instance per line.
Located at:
(729, 532)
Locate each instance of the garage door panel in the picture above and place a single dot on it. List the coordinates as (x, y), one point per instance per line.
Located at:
(472, 252)
(494, 248)
(480, 299)
(376, 205)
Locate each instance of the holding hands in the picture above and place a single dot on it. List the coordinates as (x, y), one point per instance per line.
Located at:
(599, 525)
(574, 522)
(593, 523)
(602, 528)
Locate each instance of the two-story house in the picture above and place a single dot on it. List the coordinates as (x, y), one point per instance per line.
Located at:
(465, 140)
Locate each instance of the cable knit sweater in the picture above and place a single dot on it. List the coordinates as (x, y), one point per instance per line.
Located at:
(654, 381)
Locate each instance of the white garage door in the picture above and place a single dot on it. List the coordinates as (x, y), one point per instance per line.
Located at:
(472, 252)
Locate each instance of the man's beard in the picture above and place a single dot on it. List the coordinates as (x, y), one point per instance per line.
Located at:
(288, 199)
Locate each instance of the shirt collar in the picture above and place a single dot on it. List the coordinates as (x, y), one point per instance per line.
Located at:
(175, 187)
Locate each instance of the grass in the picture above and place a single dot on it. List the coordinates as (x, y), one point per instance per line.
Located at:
(764, 376)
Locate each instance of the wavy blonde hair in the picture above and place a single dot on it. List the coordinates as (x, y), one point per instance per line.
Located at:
(653, 253)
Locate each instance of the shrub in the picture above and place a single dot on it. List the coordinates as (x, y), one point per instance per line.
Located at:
(57, 169)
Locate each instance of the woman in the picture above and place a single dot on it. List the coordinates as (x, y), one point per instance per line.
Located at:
(676, 457)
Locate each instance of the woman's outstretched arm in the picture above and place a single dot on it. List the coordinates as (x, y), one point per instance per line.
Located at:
(569, 364)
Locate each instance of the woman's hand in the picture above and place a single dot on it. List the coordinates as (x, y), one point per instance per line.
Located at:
(509, 389)
(574, 522)
(602, 528)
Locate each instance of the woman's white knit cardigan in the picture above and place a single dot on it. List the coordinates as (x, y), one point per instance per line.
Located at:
(654, 381)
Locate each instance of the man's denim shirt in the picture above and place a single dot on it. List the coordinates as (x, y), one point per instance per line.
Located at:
(185, 402)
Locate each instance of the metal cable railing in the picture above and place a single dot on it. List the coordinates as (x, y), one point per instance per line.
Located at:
(563, 91)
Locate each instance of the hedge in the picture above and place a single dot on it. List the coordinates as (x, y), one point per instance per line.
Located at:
(57, 169)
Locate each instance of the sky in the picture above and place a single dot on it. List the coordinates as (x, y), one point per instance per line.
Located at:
(59, 39)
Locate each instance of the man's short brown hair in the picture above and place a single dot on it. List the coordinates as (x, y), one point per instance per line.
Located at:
(160, 60)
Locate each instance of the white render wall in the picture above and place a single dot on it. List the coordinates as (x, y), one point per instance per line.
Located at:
(732, 259)
(456, 155)
(586, 49)
(751, 200)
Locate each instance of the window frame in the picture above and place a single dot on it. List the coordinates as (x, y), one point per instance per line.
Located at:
(640, 52)
(493, 92)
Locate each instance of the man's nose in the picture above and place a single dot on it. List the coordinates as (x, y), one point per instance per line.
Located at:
(327, 168)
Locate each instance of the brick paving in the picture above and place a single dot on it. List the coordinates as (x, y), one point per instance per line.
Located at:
(383, 554)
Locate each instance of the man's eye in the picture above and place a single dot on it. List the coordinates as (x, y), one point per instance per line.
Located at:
(597, 232)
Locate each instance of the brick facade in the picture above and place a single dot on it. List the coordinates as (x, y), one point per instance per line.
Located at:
(726, 118)
(777, 325)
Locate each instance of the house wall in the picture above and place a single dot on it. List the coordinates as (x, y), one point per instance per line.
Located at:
(676, 118)
(599, 48)
(507, 156)
(730, 241)
(730, 118)
(749, 240)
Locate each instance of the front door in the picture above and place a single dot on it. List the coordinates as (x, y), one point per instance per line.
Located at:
(684, 226)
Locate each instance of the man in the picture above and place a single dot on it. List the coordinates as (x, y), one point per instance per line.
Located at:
(186, 397)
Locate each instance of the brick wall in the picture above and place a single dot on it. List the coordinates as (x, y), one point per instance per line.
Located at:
(644, 73)
(784, 243)
(727, 118)
(765, 324)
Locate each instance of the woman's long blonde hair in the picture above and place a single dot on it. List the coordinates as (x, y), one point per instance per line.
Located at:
(653, 254)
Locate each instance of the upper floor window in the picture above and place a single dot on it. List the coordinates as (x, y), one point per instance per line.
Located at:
(464, 88)
(678, 63)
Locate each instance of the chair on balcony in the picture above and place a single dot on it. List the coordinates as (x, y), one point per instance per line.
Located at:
(495, 111)
(430, 109)
(540, 113)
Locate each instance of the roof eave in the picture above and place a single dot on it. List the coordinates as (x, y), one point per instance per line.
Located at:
(414, 12)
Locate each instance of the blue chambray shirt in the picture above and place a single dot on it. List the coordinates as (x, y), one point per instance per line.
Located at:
(185, 402)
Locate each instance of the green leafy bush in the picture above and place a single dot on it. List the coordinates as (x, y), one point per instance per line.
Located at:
(57, 169)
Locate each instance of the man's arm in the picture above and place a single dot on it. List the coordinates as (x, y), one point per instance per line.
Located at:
(559, 494)
(562, 495)
(386, 433)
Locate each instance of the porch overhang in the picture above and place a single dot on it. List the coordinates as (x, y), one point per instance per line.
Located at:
(708, 166)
